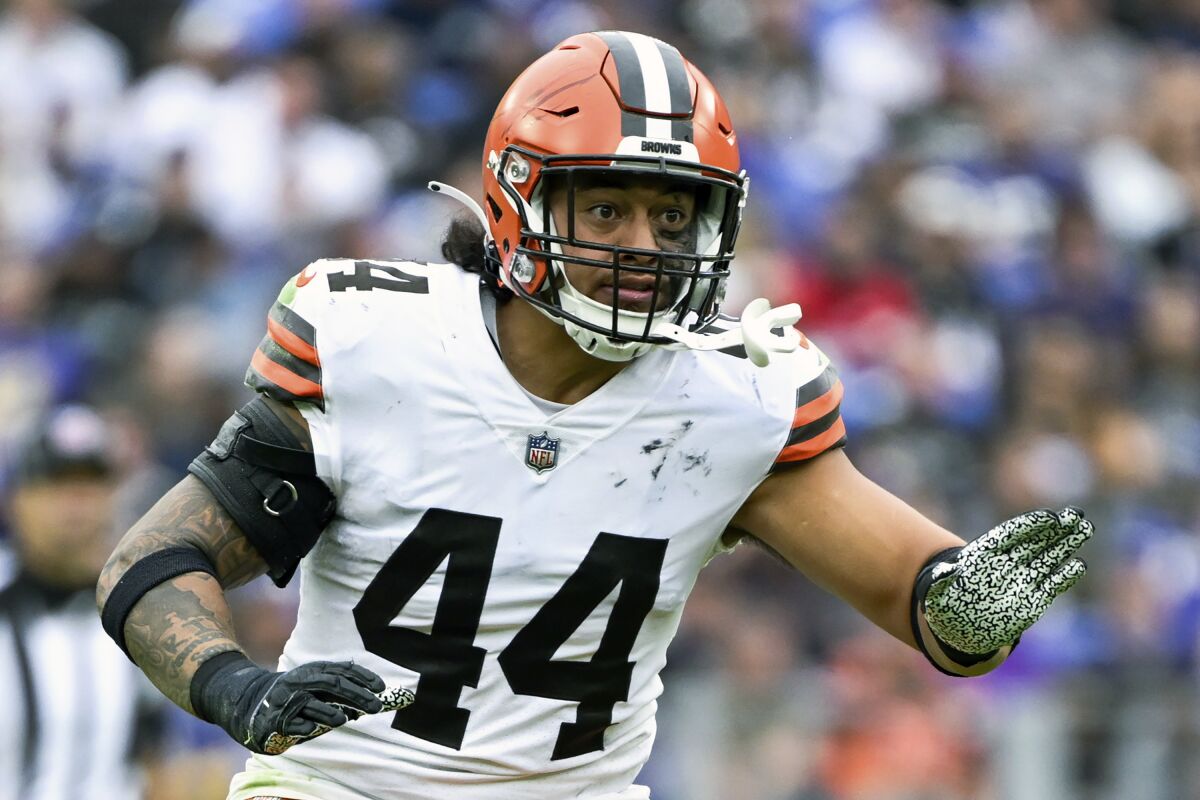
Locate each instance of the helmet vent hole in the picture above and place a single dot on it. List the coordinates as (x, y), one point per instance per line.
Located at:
(566, 112)
(569, 47)
(506, 247)
(494, 208)
(725, 129)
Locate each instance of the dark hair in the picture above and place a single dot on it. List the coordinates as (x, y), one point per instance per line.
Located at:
(463, 245)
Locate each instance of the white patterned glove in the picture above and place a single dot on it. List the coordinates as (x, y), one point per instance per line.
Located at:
(998, 585)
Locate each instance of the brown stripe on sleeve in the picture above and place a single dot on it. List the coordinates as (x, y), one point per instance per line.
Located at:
(811, 430)
(271, 349)
(817, 387)
(802, 451)
(819, 406)
(817, 424)
(293, 332)
(292, 343)
(290, 381)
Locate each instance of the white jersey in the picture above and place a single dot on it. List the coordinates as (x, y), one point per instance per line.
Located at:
(524, 573)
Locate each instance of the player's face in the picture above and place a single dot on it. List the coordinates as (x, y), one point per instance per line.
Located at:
(650, 213)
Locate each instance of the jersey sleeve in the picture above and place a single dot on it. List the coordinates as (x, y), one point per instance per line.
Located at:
(286, 366)
(817, 425)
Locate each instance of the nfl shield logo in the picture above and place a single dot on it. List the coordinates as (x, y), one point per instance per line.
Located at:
(541, 453)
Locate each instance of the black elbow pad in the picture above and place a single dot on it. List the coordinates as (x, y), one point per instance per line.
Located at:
(260, 474)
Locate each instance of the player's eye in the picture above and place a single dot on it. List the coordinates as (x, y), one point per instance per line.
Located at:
(673, 223)
(674, 217)
(603, 211)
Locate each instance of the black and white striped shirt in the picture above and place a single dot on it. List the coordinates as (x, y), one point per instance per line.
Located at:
(75, 714)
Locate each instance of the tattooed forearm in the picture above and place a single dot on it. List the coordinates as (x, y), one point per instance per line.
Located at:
(175, 628)
(179, 624)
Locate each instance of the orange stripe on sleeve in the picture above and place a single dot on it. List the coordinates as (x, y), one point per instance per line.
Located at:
(292, 343)
(818, 408)
(285, 378)
(814, 446)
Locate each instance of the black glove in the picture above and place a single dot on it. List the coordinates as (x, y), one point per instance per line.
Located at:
(269, 712)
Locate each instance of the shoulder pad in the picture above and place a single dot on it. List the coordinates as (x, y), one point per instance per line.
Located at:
(287, 364)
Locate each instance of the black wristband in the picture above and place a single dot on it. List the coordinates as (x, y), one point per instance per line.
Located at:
(141, 577)
(920, 588)
(213, 675)
(219, 687)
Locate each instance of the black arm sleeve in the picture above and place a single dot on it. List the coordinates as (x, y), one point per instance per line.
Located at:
(260, 474)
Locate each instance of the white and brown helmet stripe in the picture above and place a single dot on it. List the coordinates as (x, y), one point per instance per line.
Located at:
(656, 94)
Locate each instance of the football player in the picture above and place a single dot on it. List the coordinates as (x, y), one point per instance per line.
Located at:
(500, 477)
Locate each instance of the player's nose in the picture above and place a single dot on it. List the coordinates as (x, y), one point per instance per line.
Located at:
(639, 234)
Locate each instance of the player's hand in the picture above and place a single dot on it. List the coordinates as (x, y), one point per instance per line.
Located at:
(269, 712)
(1001, 583)
(285, 708)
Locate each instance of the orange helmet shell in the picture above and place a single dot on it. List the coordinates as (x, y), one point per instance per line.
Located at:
(587, 96)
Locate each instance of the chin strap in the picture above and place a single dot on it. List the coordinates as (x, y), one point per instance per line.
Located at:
(756, 333)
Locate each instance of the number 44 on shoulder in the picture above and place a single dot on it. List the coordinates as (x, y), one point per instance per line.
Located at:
(365, 276)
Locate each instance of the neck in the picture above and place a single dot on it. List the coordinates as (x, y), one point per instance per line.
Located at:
(544, 359)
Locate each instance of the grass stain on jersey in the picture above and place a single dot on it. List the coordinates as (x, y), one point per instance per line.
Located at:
(288, 293)
(695, 460)
(665, 446)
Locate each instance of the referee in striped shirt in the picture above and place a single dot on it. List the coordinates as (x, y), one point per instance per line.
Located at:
(78, 716)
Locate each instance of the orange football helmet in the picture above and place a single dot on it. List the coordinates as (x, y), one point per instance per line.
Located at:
(628, 104)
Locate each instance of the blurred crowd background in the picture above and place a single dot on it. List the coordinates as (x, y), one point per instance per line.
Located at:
(988, 211)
